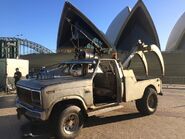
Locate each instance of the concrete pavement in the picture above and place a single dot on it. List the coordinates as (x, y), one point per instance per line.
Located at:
(167, 122)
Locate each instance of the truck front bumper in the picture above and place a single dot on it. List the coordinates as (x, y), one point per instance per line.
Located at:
(32, 113)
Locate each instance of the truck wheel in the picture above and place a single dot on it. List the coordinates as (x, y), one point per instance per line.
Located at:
(70, 122)
(148, 104)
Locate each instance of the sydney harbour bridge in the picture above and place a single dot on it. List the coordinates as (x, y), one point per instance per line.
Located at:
(12, 47)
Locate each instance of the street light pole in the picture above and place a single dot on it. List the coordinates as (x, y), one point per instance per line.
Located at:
(6, 74)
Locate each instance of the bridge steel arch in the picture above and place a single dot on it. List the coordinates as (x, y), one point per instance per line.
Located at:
(32, 45)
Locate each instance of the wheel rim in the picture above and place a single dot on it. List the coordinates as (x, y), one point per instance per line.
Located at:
(152, 102)
(71, 123)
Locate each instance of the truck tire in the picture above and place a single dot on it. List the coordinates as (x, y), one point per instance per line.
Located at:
(148, 103)
(70, 122)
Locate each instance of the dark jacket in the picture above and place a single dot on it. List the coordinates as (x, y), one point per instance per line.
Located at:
(17, 76)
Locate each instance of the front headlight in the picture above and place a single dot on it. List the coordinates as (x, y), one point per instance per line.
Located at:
(36, 98)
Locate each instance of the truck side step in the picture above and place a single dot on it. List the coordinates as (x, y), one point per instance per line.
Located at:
(101, 111)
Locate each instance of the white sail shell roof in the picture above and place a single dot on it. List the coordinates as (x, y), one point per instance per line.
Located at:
(176, 40)
(116, 25)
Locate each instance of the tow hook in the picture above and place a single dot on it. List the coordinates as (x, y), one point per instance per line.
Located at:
(20, 112)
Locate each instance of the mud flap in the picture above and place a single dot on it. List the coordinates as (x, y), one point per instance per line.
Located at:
(20, 112)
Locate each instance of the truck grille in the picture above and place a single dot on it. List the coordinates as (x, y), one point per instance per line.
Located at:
(24, 95)
(28, 96)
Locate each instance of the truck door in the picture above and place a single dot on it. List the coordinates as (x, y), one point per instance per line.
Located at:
(106, 82)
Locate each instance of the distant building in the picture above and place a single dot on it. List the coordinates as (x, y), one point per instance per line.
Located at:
(8, 49)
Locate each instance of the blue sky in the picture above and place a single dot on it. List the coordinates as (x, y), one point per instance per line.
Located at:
(38, 20)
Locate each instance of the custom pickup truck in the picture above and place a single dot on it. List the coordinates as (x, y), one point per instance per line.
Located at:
(76, 89)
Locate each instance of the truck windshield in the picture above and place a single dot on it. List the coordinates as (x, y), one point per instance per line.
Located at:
(69, 69)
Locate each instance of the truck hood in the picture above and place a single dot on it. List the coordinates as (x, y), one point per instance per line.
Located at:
(36, 84)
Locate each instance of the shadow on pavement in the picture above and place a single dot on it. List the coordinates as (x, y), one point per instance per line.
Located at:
(95, 121)
(10, 127)
(40, 130)
(7, 101)
(37, 130)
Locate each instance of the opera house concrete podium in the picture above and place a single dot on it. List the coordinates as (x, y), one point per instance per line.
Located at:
(175, 52)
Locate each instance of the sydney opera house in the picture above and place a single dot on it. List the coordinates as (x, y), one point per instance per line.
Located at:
(175, 52)
(76, 32)
(129, 26)
(126, 29)
(122, 34)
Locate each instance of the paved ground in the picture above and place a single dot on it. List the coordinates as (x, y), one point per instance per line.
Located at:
(168, 122)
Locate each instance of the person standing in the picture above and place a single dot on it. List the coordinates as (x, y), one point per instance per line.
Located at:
(17, 75)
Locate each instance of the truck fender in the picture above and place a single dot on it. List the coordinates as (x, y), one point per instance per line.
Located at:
(67, 98)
